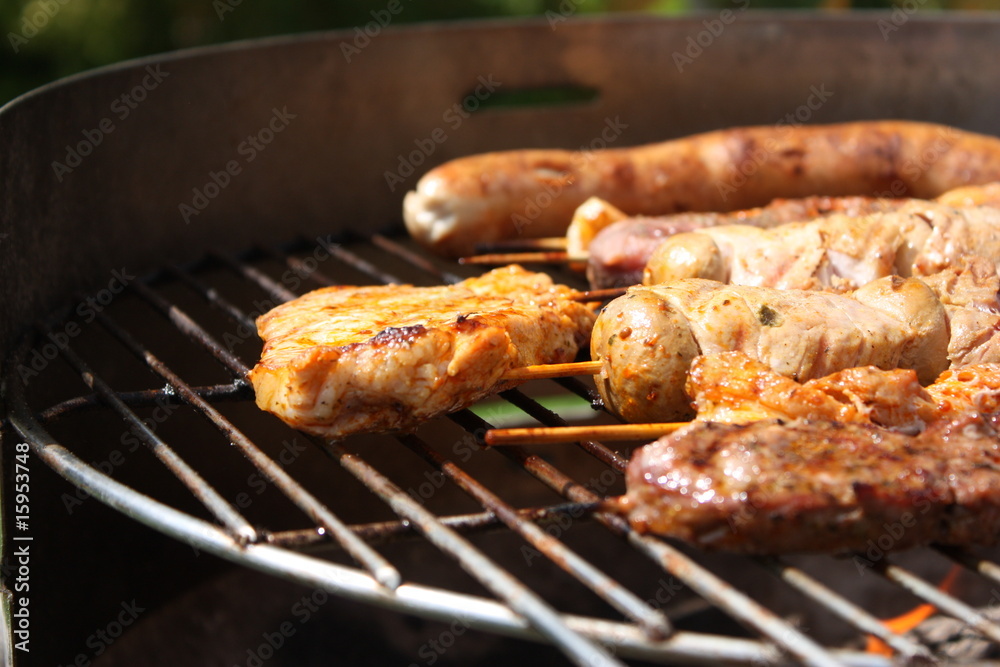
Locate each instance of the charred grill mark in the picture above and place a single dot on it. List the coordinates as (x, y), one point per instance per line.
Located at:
(398, 336)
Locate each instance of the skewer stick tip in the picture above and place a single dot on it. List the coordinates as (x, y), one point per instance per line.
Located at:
(551, 435)
(542, 371)
(553, 257)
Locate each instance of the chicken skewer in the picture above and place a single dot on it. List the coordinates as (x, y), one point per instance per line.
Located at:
(837, 252)
(733, 388)
(643, 344)
(311, 364)
(617, 245)
(617, 248)
(346, 360)
(647, 339)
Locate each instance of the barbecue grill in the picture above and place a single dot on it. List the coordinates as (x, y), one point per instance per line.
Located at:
(137, 247)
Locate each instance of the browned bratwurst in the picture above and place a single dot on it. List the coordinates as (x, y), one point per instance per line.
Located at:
(533, 193)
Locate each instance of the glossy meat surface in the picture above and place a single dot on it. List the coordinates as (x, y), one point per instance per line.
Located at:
(619, 253)
(343, 360)
(818, 486)
(733, 388)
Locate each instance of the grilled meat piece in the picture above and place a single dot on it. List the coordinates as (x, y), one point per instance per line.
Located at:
(619, 252)
(731, 387)
(648, 338)
(835, 252)
(973, 388)
(818, 486)
(970, 292)
(495, 196)
(987, 194)
(344, 360)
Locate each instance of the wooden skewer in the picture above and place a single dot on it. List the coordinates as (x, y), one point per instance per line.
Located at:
(550, 243)
(550, 257)
(550, 435)
(542, 371)
(599, 294)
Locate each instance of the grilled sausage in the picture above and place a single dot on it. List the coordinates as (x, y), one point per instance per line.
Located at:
(620, 251)
(533, 193)
(839, 251)
(648, 338)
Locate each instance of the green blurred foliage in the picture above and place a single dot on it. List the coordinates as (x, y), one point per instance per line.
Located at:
(47, 39)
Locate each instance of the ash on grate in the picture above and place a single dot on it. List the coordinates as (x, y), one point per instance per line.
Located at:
(953, 639)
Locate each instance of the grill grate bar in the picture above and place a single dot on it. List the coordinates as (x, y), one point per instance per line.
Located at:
(984, 567)
(845, 609)
(375, 563)
(520, 598)
(191, 329)
(414, 259)
(550, 418)
(380, 532)
(234, 391)
(204, 492)
(274, 289)
(944, 602)
(299, 267)
(212, 296)
(581, 389)
(653, 622)
(358, 263)
(707, 585)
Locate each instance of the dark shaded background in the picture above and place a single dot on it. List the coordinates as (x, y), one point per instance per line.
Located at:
(48, 39)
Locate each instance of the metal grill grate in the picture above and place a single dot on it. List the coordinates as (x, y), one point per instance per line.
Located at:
(210, 304)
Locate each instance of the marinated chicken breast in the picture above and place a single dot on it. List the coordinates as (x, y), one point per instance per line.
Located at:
(818, 486)
(344, 360)
(731, 387)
